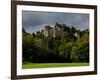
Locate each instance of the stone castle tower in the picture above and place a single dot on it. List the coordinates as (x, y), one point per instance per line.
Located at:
(53, 32)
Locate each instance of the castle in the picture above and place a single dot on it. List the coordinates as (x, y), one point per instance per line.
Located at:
(56, 31)
(53, 32)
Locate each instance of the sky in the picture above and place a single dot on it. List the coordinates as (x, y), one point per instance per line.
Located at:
(33, 21)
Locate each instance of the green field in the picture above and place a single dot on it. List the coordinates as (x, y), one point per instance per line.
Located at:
(51, 65)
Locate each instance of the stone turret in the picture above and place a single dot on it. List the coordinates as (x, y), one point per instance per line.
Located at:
(47, 31)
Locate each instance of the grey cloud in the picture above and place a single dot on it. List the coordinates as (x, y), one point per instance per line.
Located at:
(34, 20)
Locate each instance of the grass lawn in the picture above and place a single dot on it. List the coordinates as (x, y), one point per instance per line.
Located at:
(51, 65)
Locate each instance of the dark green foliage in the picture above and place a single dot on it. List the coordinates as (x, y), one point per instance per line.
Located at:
(23, 30)
(64, 48)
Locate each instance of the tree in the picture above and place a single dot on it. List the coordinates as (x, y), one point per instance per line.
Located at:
(33, 34)
(64, 37)
(64, 51)
(83, 47)
(64, 48)
(66, 28)
(74, 54)
(73, 30)
(28, 44)
(58, 25)
(39, 35)
(23, 30)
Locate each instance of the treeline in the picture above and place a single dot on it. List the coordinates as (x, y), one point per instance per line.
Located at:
(71, 46)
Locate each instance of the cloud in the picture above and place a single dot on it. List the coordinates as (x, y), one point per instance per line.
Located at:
(33, 21)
